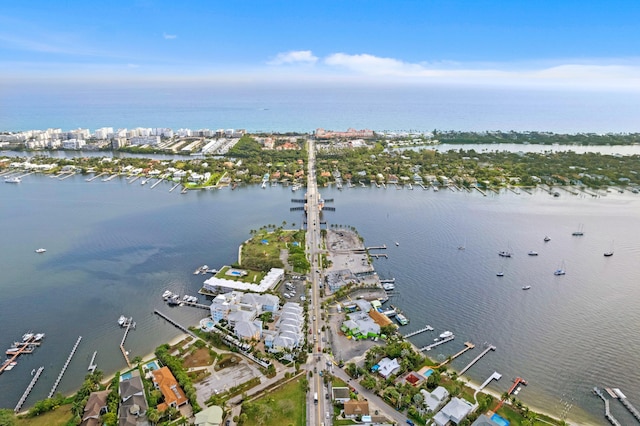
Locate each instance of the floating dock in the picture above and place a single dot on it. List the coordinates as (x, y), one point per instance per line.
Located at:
(422, 330)
(476, 359)
(607, 412)
(438, 343)
(26, 393)
(64, 367)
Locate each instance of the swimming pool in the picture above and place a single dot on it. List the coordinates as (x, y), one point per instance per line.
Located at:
(235, 273)
(499, 420)
(125, 376)
(427, 373)
(153, 365)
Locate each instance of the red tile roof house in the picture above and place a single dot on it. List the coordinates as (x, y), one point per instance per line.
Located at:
(173, 394)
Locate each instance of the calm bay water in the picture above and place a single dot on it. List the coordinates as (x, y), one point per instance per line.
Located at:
(114, 247)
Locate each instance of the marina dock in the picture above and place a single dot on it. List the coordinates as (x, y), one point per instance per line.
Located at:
(438, 343)
(107, 179)
(195, 305)
(91, 179)
(607, 412)
(64, 367)
(382, 247)
(25, 347)
(476, 359)
(377, 256)
(156, 183)
(389, 281)
(26, 393)
(467, 346)
(422, 330)
(135, 178)
(623, 399)
(174, 187)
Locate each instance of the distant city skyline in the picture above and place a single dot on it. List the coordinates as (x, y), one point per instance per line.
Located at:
(543, 43)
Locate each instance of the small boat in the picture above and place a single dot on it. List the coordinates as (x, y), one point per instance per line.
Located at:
(610, 252)
(579, 232)
(27, 336)
(526, 287)
(533, 253)
(167, 294)
(41, 250)
(397, 244)
(38, 337)
(500, 274)
(12, 180)
(122, 320)
(402, 320)
(546, 239)
(504, 253)
(446, 334)
(560, 270)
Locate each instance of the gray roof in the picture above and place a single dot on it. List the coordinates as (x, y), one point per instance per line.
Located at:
(131, 386)
(484, 420)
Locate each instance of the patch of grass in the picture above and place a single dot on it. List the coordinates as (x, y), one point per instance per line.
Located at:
(344, 422)
(337, 382)
(227, 360)
(252, 277)
(283, 406)
(59, 416)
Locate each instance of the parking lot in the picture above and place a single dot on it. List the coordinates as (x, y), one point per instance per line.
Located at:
(294, 288)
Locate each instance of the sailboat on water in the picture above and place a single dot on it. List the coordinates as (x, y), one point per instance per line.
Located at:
(579, 232)
(610, 252)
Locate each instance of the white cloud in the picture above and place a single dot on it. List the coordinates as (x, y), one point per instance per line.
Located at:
(625, 72)
(169, 36)
(293, 57)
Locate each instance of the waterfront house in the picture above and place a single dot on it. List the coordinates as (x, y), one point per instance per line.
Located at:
(340, 394)
(354, 408)
(95, 407)
(133, 403)
(387, 367)
(455, 411)
(172, 393)
(434, 400)
(246, 330)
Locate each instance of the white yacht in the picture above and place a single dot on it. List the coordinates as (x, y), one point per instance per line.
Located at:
(12, 180)
(41, 250)
(446, 334)
(122, 320)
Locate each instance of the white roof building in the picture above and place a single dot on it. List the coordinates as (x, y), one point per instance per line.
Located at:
(455, 411)
(270, 280)
(434, 400)
(388, 367)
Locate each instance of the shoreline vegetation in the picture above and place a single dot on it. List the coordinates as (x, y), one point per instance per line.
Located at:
(255, 159)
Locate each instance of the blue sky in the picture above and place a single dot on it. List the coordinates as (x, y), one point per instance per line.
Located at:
(537, 42)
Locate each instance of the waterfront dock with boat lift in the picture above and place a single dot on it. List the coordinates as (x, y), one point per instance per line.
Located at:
(25, 347)
(607, 412)
(26, 393)
(128, 324)
(623, 399)
(476, 359)
(516, 382)
(438, 343)
(64, 367)
(422, 330)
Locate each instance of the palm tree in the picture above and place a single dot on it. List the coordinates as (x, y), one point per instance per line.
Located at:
(153, 415)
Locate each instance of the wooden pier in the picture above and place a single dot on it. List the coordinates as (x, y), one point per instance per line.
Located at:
(26, 347)
(480, 191)
(422, 330)
(516, 383)
(623, 399)
(382, 247)
(195, 305)
(607, 412)
(68, 175)
(155, 183)
(92, 366)
(128, 325)
(175, 324)
(476, 359)
(438, 343)
(174, 187)
(135, 178)
(26, 393)
(64, 367)
(467, 346)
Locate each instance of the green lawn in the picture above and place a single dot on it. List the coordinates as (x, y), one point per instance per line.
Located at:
(285, 406)
(59, 416)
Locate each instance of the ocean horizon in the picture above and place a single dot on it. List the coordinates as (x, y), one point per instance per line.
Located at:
(298, 108)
